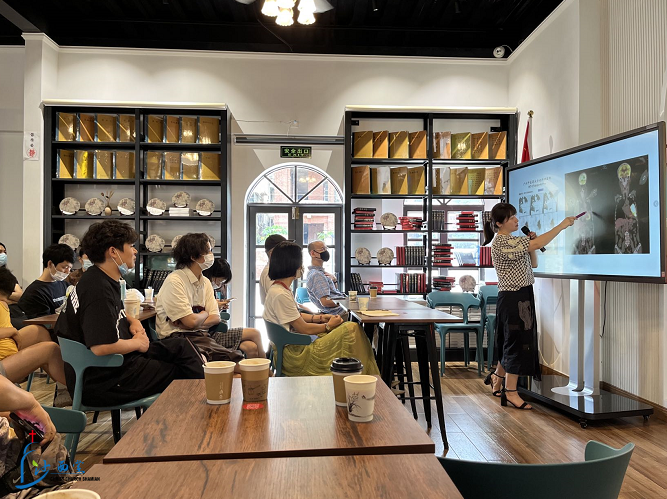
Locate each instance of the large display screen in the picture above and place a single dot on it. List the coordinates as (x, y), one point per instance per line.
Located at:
(618, 183)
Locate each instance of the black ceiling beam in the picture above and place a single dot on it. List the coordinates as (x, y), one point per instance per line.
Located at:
(17, 19)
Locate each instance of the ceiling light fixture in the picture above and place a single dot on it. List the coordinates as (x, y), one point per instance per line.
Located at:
(270, 8)
(307, 6)
(306, 17)
(285, 17)
(286, 4)
(374, 5)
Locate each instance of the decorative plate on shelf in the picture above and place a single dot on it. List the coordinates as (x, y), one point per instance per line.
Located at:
(467, 283)
(385, 256)
(175, 240)
(389, 220)
(126, 206)
(70, 240)
(181, 199)
(205, 207)
(156, 207)
(154, 243)
(363, 256)
(95, 206)
(69, 206)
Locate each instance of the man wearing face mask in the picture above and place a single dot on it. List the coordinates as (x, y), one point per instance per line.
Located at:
(47, 293)
(321, 288)
(186, 306)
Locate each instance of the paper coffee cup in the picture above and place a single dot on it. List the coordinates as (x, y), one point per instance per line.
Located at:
(360, 393)
(255, 379)
(373, 291)
(363, 303)
(132, 307)
(218, 378)
(71, 494)
(340, 368)
(148, 293)
(352, 295)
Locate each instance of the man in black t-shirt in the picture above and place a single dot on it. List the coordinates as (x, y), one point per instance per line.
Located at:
(94, 316)
(47, 293)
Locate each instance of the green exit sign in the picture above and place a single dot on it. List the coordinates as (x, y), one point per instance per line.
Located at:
(296, 152)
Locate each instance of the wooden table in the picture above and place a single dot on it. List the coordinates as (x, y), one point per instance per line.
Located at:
(385, 477)
(417, 318)
(299, 419)
(50, 320)
(379, 303)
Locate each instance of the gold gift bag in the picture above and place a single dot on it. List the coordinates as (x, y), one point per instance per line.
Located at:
(498, 145)
(476, 180)
(155, 128)
(461, 146)
(380, 180)
(442, 145)
(104, 164)
(210, 166)
(493, 182)
(190, 162)
(188, 129)
(172, 166)
(416, 180)
(399, 180)
(173, 124)
(106, 128)
(86, 127)
(417, 144)
(124, 165)
(84, 164)
(363, 144)
(381, 144)
(154, 165)
(65, 164)
(459, 181)
(209, 130)
(398, 145)
(361, 180)
(126, 128)
(479, 143)
(442, 181)
(66, 126)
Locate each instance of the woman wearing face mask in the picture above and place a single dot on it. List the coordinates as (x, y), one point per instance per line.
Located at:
(16, 294)
(74, 276)
(331, 337)
(186, 305)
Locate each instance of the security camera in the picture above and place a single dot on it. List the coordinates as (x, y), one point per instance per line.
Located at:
(499, 52)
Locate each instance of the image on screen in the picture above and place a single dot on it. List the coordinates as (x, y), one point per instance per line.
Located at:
(617, 185)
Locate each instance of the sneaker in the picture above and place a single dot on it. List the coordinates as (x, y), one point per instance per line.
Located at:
(61, 397)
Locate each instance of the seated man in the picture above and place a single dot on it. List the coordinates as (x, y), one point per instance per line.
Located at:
(94, 315)
(23, 351)
(186, 306)
(47, 293)
(320, 285)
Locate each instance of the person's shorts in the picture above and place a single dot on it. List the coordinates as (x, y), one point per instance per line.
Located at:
(229, 339)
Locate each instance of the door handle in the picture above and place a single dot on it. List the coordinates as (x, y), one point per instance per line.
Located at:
(295, 213)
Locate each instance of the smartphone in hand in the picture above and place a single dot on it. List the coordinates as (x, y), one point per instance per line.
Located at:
(31, 430)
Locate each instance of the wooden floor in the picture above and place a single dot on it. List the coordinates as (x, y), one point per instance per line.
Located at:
(478, 428)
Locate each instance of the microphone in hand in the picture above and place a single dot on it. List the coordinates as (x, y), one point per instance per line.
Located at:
(526, 231)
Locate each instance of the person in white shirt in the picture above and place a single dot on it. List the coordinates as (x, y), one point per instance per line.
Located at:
(186, 306)
(264, 281)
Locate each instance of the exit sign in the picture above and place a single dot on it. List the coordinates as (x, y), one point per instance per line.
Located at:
(296, 152)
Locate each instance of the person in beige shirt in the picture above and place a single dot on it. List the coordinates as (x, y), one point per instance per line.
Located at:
(186, 305)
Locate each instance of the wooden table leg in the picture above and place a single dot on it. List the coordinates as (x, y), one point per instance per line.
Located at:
(433, 357)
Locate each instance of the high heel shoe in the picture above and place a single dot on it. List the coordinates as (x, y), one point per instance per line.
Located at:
(504, 400)
(487, 381)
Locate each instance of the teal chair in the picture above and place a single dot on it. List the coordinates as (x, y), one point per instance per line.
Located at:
(302, 295)
(600, 476)
(223, 327)
(70, 422)
(281, 337)
(465, 301)
(488, 295)
(80, 358)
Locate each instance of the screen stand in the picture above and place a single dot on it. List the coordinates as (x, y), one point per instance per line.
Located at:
(580, 395)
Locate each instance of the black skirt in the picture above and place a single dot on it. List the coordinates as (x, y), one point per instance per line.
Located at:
(516, 332)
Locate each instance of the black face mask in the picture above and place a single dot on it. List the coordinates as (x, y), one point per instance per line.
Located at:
(324, 256)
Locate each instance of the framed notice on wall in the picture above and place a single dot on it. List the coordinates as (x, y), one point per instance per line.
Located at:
(296, 152)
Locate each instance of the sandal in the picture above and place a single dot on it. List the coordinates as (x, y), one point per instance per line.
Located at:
(487, 381)
(504, 400)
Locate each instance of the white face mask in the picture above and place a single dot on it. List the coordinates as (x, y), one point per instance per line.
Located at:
(59, 276)
(208, 262)
(299, 273)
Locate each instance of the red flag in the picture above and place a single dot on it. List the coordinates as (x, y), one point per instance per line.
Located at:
(527, 141)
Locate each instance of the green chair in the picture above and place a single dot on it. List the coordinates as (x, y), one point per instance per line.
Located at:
(302, 295)
(70, 422)
(600, 476)
(488, 295)
(281, 337)
(465, 301)
(80, 358)
(223, 327)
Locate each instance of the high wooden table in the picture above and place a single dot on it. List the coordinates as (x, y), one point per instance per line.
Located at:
(385, 477)
(379, 303)
(299, 419)
(49, 321)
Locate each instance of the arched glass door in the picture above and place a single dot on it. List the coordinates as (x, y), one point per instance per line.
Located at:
(300, 202)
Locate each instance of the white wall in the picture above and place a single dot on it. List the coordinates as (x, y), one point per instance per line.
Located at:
(11, 156)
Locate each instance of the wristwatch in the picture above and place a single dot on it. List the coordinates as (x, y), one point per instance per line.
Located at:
(326, 327)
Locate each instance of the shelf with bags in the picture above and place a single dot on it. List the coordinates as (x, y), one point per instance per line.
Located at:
(389, 161)
(388, 196)
(464, 162)
(157, 181)
(74, 144)
(94, 180)
(468, 196)
(179, 146)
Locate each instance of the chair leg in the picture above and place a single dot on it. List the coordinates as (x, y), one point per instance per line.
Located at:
(422, 363)
(279, 360)
(405, 346)
(466, 348)
(400, 373)
(48, 379)
(443, 338)
(97, 413)
(29, 384)
(490, 347)
(115, 425)
(479, 334)
(137, 411)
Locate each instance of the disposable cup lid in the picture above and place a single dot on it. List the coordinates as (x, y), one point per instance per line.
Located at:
(346, 365)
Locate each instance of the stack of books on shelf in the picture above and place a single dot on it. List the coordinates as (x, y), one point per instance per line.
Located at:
(485, 256)
(377, 284)
(410, 255)
(439, 220)
(441, 283)
(179, 212)
(410, 223)
(364, 218)
(411, 283)
(356, 284)
(442, 255)
(466, 221)
(154, 279)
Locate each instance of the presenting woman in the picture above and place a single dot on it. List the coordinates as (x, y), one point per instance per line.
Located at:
(516, 331)
(331, 337)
